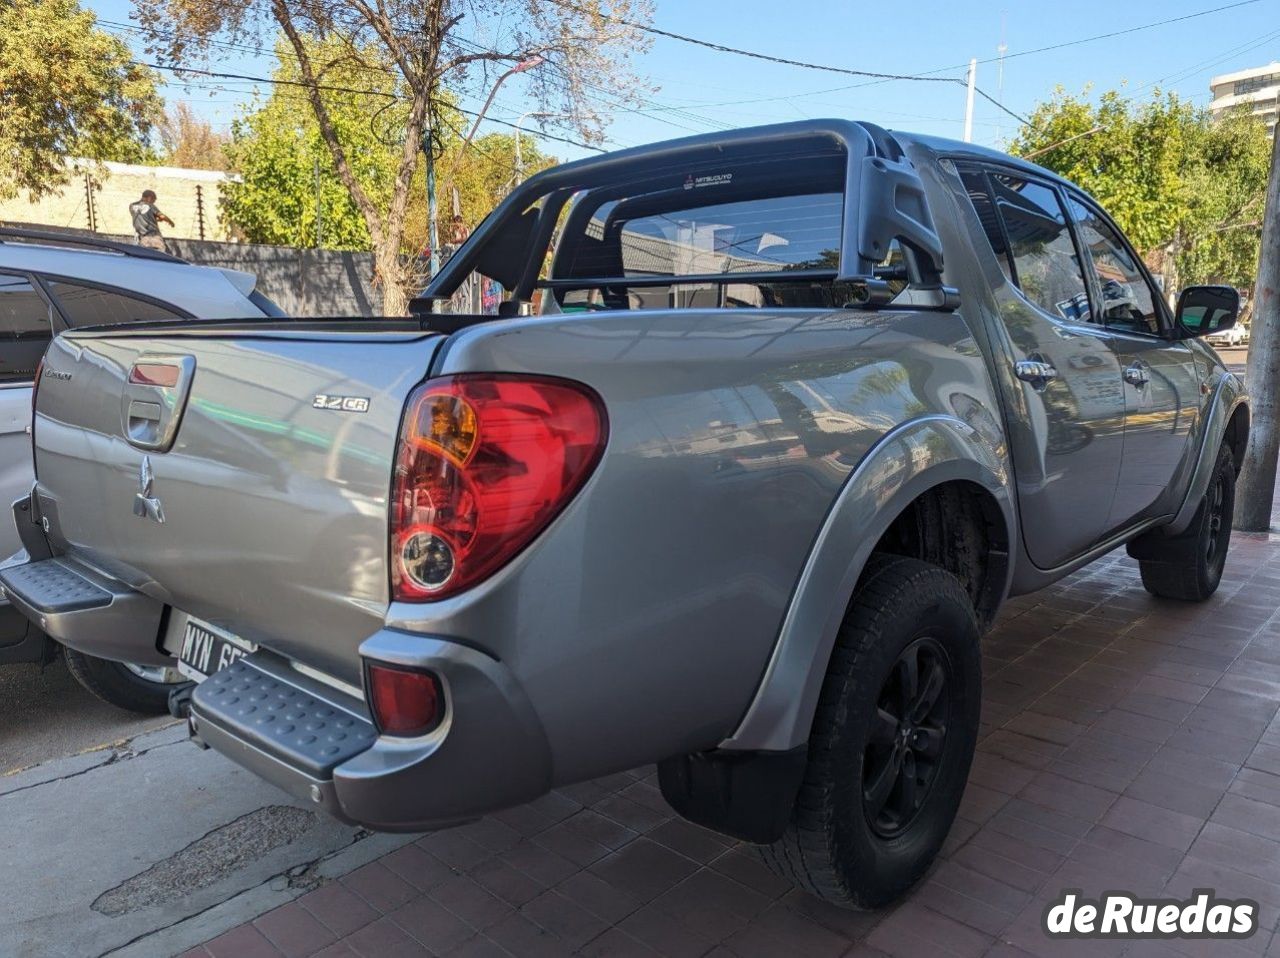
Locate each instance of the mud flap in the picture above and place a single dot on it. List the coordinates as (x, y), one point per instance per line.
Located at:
(745, 795)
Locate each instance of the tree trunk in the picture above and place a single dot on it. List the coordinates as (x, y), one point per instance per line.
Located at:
(391, 275)
(1262, 374)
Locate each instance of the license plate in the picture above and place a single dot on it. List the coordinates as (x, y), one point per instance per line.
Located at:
(206, 649)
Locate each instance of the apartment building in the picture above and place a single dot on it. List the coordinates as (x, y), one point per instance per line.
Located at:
(1257, 87)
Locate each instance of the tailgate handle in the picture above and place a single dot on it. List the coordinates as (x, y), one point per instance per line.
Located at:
(154, 398)
(144, 422)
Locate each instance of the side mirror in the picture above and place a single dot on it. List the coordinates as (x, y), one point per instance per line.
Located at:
(1206, 309)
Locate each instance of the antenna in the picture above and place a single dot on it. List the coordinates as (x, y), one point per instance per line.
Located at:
(1001, 50)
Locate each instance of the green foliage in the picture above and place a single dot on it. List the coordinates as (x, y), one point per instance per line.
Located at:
(277, 146)
(1180, 186)
(67, 89)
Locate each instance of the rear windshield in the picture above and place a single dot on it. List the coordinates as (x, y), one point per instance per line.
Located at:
(760, 221)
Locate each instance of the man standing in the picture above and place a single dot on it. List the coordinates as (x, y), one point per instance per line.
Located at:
(147, 219)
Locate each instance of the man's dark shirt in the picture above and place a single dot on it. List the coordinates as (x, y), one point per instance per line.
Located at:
(144, 218)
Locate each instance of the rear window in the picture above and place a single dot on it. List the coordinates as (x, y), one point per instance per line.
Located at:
(761, 221)
(85, 305)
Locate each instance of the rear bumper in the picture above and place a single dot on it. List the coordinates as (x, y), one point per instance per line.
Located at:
(489, 753)
(312, 740)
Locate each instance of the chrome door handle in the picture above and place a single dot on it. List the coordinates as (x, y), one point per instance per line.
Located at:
(1136, 375)
(1034, 371)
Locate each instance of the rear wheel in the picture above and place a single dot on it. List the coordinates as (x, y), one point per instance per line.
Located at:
(1189, 566)
(137, 688)
(892, 739)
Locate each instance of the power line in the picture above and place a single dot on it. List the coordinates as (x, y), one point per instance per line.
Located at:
(806, 65)
(342, 89)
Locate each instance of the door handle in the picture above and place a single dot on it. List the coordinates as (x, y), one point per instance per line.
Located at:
(1136, 375)
(1034, 371)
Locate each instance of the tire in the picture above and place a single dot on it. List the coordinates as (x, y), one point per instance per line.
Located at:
(1189, 566)
(838, 846)
(116, 684)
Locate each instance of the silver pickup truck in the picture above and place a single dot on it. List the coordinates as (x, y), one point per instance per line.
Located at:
(768, 426)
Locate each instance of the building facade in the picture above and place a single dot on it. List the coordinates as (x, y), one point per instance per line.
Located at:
(1257, 88)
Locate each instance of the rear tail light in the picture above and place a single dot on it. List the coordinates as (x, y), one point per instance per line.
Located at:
(485, 463)
(404, 702)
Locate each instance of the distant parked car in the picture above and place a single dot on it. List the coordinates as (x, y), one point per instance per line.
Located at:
(50, 282)
(1235, 336)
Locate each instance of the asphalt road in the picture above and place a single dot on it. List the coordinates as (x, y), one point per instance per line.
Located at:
(46, 714)
(1234, 358)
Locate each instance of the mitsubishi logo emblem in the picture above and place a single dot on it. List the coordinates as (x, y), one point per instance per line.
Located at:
(145, 505)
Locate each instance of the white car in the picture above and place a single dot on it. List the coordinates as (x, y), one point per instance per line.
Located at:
(1235, 336)
(50, 282)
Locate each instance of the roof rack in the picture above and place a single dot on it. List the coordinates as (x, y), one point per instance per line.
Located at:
(55, 238)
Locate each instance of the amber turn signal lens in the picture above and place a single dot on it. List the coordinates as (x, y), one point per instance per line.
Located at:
(448, 423)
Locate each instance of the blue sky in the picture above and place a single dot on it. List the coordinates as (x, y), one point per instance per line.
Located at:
(702, 89)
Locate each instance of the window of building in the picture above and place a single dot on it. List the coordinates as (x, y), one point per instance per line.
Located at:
(1128, 302)
(92, 306)
(25, 329)
(1045, 264)
(1254, 84)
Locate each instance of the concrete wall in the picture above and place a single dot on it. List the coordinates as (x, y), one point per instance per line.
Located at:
(180, 193)
(302, 282)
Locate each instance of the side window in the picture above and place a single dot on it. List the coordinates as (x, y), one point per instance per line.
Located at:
(90, 306)
(25, 329)
(1128, 302)
(1044, 257)
(975, 181)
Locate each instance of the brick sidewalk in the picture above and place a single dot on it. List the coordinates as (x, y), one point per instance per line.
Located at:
(1127, 743)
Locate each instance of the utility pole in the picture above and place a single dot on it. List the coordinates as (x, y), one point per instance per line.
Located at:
(319, 206)
(968, 106)
(433, 231)
(1262, 372)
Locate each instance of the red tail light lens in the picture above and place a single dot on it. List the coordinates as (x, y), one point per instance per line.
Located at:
(485, 463)
(404, 703)
(154, 374)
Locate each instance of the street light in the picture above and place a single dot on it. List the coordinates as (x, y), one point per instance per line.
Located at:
(518, 124)
(432, 213)
(529, 64)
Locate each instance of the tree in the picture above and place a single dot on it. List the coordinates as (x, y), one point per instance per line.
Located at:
(67, 90)
(281, 157)
(423, 48)
(1186, 190)
(188, 141)
(278, 148)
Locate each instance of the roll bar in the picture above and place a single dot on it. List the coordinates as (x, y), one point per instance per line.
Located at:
(884, 201)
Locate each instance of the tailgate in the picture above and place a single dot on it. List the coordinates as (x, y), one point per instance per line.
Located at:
(268, 513)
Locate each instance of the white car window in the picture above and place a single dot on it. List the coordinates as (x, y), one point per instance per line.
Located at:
(25, 329)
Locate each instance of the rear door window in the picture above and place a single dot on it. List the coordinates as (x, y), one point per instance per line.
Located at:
(1046, 267)
(26, 326)
(85, 305)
